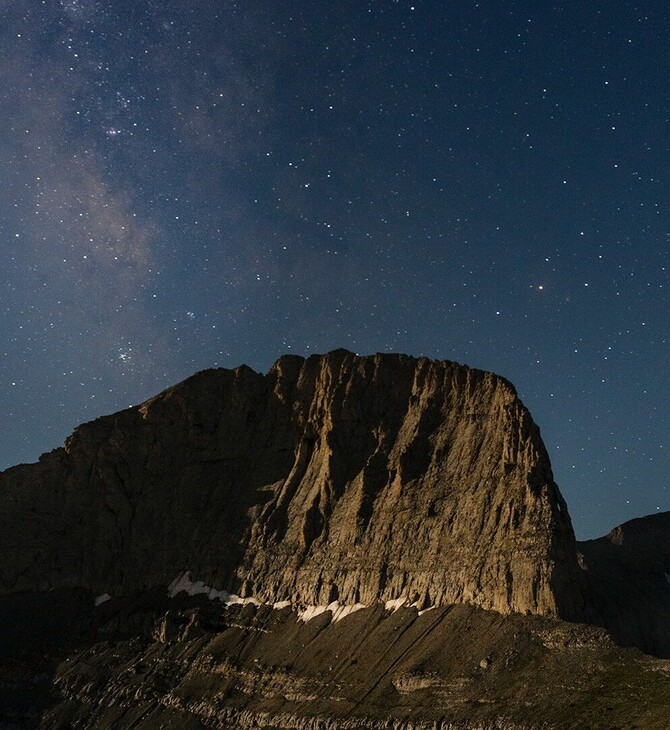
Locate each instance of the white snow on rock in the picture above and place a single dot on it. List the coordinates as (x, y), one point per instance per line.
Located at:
(337, 610)
(396, 603)
(184, 583)
(101, 599)
(309, 612)
(343, 611)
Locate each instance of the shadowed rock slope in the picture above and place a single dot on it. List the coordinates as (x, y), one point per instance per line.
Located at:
(456, 667)
(628, 582)
(335, 478)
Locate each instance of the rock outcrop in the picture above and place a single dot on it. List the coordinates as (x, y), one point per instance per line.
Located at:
(332, 478)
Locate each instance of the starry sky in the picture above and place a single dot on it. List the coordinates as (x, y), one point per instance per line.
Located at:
(194, 184)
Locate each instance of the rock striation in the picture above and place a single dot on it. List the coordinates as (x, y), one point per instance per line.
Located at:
(333, 478)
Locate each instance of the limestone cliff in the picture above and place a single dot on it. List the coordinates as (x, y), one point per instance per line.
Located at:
(337, 477)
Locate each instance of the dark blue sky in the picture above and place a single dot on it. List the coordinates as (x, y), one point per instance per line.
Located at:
(186, 185)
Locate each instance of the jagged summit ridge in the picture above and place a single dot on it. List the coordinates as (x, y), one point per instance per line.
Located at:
(331, 478)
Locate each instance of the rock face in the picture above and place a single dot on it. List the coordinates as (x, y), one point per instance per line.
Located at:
(338, 477)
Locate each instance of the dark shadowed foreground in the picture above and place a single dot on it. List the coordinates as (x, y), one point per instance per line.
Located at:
(190, 663)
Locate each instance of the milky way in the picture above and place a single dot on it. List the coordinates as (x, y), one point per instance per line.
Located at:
(188, 185)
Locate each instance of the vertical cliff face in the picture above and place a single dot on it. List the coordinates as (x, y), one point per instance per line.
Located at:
(338, 477)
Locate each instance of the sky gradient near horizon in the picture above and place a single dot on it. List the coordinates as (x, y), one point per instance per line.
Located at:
(189, 185)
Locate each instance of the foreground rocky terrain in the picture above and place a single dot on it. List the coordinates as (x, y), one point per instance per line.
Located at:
(190, 663)
(343, 542)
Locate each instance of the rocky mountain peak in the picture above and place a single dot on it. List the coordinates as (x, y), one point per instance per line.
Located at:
(336, 477)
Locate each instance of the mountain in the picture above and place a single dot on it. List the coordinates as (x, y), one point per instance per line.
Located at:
(344, 537)
(356, 479)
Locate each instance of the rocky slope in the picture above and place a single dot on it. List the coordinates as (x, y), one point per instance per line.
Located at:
(336, 478)
(188, 663)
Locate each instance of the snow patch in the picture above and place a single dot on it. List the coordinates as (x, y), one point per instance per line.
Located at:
(667, 577)
(184, 583)
(396, 603)
(343, 611)
(425, 610)
(102, 599)
(308, 613)
(338, 611)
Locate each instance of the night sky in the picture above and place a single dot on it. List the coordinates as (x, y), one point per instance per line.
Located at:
(194, 184)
